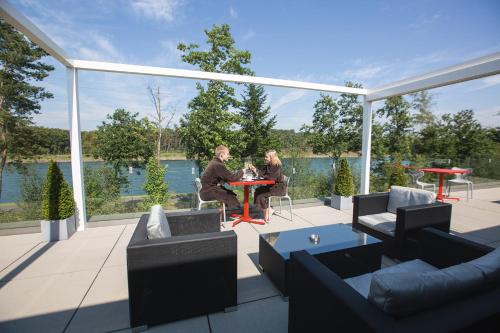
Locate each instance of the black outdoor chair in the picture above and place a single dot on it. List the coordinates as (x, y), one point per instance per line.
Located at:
(398, 232)
(320, 300)
(186, 275)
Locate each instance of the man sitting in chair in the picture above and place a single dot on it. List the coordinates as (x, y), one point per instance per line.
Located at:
(215, 175)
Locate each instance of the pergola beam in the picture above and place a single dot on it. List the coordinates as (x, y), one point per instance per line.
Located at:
(199, 75)
(21, 23)
(470, 70)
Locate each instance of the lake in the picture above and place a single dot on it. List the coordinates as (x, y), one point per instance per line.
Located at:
(180, 176)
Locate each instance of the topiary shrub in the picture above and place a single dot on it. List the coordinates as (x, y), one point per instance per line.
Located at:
(398, 176)
(57, 196)
(344, 185)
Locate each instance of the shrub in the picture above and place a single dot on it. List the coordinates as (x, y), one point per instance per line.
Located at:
(102, 190)
(397, 174)
(31, 193)
(155, 185)
(344, 184)
(57, 196)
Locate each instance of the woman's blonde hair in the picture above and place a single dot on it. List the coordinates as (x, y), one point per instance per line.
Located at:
(274, 157)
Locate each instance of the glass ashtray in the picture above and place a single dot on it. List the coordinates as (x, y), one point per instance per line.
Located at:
(314, 238)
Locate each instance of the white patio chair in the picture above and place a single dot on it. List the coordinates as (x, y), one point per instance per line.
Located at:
(197, 185)
(461, 179)
(286, 196)
(416, 175)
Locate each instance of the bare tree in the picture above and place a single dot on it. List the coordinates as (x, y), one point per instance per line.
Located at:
(161, 118)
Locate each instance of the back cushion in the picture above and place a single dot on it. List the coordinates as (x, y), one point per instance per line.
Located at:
(157, 223)
(421, 197)
(489, 264)
(401, 294)
(398, 197)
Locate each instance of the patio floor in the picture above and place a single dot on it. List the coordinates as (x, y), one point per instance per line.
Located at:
(80, 285)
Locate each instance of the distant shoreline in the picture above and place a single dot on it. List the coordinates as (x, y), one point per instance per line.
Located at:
(179, 156)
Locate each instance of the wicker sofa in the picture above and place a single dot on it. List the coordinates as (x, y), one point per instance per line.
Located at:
(322, 300)
(396, 220)
(193, 272)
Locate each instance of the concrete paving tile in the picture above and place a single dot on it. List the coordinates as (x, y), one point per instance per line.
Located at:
(194, 325)
(42, 304)
(61, 257)
(248, 237)
(14, 247)
(252, 284)
(118, 256)
(99, 232)
(280, 224)
(267, 315)
(105, 307)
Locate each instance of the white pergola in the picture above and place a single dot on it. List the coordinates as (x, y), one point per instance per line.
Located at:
(470, 70)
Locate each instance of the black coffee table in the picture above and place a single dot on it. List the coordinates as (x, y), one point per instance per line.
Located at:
(345, 250)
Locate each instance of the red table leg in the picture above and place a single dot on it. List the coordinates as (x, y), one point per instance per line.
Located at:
(246, 210)
(440, 195)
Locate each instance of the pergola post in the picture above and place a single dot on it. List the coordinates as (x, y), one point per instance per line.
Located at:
(366, 147)
(76, 149)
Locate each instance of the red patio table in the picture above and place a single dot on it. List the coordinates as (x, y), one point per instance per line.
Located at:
(441, 172)
(246, 205)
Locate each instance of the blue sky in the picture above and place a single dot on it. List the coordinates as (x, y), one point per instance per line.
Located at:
(371, 42)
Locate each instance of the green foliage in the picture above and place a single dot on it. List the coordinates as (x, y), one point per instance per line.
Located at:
(124, 141)
(256, 123)
(422, 102)
(397, 175)
(344, 184)
(20, 66)
(102, 190)
(57, 196)
(31, 192)
(210, 122)
(155, 185)
(397, 129)
(336, 126)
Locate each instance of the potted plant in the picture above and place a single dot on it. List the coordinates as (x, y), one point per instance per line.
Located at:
(344, 187)
(58, 208)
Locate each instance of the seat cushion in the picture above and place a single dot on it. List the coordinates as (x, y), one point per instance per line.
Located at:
(403, 293)
(421, 197)
(361, 283)
(157, 223)
(399, 196)
(489, 264)
(383, 222)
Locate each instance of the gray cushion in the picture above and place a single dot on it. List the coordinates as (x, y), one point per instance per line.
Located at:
(489, 264)
(361, 283)
(383, 222)
(157, 223)
(421, 197)
(404, 293)
(398, 197)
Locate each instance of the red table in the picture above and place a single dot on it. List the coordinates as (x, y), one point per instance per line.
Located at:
(441, 172)
(246, 205)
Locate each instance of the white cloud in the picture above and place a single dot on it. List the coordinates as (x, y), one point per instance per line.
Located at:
(233, 13)
(363, 73)
(248, 35)
(487, 82)
(424, 22)
(161, 10)
(288, 98)
(488, 117)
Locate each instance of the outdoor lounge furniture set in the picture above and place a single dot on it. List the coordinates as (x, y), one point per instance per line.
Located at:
(181, 265)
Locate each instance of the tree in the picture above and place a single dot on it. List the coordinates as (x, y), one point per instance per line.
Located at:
(57, 196)
(210, 122)
(398, 125)
(124, 141)
(326, 135)
(161, 118)
(155, 185)
(102, 189)
(351, 111)
(422, 102)
(19, 98)
(256, 123)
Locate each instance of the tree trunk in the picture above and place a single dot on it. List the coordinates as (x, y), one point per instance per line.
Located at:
(3, 161)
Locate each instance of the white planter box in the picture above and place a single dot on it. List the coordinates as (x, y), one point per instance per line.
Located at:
(54, 230)
(341, 203)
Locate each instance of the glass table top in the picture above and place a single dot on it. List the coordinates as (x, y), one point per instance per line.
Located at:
(331, 238)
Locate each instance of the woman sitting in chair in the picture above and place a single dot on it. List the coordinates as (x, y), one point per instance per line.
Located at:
(272, 171)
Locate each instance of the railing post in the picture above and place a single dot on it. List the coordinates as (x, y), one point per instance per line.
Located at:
(366, 147)
(76, 149)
